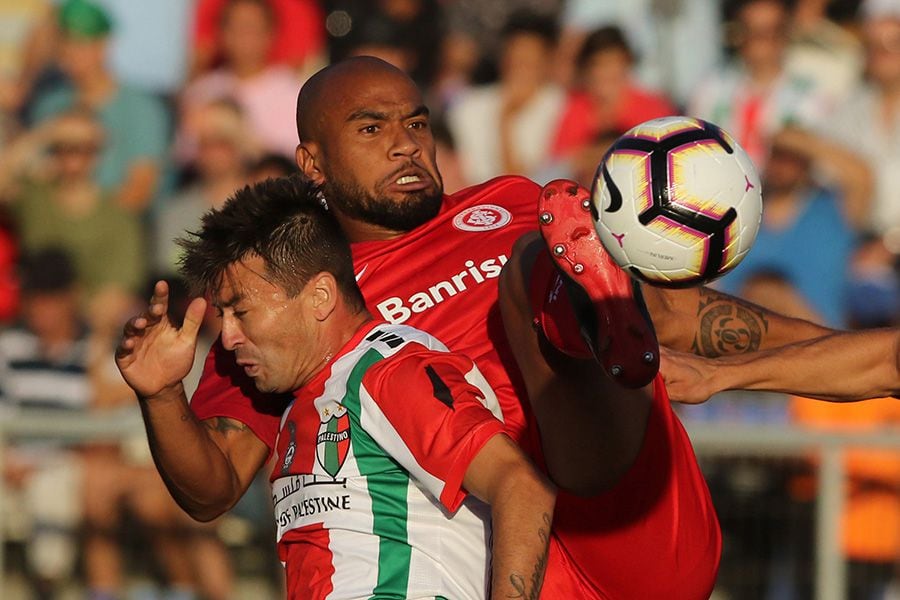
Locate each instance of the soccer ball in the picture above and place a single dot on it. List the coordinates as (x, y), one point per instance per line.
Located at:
(676, 202)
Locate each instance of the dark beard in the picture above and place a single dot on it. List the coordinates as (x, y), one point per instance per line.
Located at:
(354, 202)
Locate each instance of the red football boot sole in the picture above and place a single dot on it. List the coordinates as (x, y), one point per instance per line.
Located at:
(608, 304)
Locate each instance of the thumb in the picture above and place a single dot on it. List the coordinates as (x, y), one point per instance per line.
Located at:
(193, 318)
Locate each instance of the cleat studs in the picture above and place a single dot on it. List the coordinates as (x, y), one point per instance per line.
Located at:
(559, 250)
(579, 268)
(648, 357)
(546, 218)
(615, 370)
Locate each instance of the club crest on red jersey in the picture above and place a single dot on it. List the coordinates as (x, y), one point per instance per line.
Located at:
(483, 217)
(333, 440)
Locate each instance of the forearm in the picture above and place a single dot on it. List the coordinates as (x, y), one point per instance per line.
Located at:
(521, 518)
(838, 367)
(710, 323)
(196, 471)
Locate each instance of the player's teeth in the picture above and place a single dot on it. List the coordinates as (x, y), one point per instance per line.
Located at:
(408, 179)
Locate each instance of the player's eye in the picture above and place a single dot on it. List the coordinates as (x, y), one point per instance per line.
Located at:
(369, 129)
(419, 125)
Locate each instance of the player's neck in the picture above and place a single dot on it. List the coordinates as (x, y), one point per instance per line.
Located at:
(345, 324)
(361, 231)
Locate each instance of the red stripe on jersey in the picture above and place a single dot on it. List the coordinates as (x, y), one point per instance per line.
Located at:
(447, 425)
(308, 562)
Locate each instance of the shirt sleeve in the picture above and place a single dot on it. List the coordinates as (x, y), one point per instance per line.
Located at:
(226, 391)
(419, 407)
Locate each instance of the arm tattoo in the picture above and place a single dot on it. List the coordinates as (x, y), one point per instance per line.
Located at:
(727, 325)
(537, 576)
(224, 425)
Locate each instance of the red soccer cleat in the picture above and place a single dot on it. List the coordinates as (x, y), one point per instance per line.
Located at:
(605, 303)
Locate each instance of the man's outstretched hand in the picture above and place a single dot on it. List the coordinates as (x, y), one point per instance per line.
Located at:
(688, 377)
(154, 356)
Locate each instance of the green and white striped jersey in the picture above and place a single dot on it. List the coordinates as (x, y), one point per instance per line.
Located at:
(368, 480)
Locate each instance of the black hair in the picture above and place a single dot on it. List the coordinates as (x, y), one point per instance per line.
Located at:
(281, 221)
(272, 161)
(527, 22)
(48, 270)
(603, 39)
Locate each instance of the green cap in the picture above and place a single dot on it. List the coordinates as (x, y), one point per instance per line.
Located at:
(83, 19)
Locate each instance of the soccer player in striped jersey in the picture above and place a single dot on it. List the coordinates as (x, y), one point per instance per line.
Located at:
(393, 475)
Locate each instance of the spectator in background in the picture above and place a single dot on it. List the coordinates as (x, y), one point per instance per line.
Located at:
(869, 122)
(225, 148)
(873, 294)
(606, 96)
(45, 364)
(387, 40)
(482, 24)
(27, 46)
(266, 93)
(136, 125)
(808, 230)
(456, 66)
(507, 127)
(677, 41)
(754, 97)
(298, 37)
(46, 176)
(823, 51)
(410, 29)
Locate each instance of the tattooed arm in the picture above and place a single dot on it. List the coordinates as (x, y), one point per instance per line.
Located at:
(840, 367)
(206, 466)
(712, 324)
(521, 501)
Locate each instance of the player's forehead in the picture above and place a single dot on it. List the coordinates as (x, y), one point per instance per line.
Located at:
(244, 282)
(380, 92)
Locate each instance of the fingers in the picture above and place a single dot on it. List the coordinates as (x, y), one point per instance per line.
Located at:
(133, 330)
(159, 302)
(193, 318)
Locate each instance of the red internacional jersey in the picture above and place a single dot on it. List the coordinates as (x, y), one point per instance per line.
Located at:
(655, 535)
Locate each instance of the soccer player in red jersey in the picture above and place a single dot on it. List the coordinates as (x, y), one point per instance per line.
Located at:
(391, 446)
(642, 524)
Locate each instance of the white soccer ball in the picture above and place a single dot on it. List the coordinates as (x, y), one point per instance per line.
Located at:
(676, 202)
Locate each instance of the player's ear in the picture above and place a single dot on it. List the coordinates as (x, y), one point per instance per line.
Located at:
(324, 295)
(307, 156)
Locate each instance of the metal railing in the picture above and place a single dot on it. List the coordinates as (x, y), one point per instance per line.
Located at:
(792, 441)
(709, 440)
(117, 425)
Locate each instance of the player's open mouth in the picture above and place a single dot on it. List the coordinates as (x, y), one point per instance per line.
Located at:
(251, 369)
(411, 180)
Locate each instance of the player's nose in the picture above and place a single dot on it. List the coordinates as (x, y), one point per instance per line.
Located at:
(405, 143)
(232, 336)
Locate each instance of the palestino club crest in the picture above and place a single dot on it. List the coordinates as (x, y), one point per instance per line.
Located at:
(333, 439)
(483, 217)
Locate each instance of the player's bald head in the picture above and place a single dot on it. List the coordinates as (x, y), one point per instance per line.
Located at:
(329, 87)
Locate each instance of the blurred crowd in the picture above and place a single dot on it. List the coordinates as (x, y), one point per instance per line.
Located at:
(121, 122)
